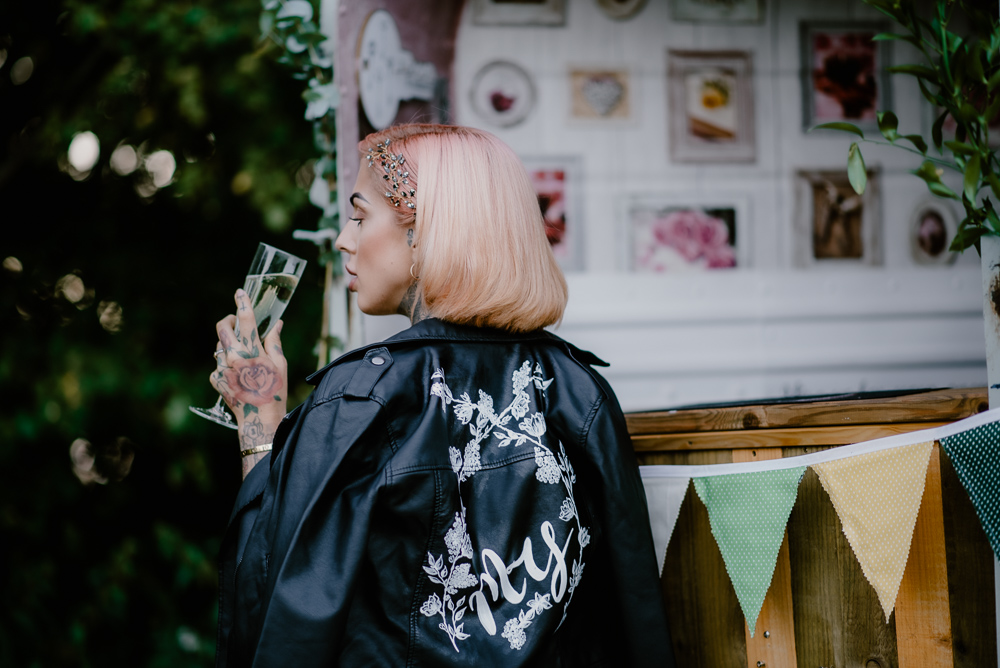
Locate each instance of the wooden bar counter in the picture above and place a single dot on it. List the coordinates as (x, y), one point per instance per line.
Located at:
(820, 611)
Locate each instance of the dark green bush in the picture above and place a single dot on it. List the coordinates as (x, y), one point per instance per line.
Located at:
(109, 294)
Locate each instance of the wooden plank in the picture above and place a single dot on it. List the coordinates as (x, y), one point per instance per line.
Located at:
(923, 618)
(837, 616)
(706, 624)
(937, 405)
(774, 438)
(970, 576)
(773, 643)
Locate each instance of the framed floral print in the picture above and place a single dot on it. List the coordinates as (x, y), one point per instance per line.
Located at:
(843, 73)
(683, 233)
(711, 106)
(557, 184)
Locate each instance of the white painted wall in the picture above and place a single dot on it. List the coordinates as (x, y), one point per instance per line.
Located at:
(767, 329)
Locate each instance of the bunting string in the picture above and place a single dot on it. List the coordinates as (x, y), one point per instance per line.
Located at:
(875, 486)
(833, 454)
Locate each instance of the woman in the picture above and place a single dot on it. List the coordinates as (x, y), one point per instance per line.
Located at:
(464, 493)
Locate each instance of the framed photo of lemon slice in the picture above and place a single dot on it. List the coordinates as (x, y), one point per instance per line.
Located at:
(711, 108)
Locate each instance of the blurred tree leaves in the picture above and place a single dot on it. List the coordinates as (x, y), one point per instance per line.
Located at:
(109, 294)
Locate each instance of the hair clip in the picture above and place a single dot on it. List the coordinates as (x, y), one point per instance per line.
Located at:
(396, 179)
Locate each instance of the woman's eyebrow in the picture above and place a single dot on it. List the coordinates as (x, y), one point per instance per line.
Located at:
(358, 196)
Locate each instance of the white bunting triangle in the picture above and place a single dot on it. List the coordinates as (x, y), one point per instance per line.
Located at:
(664, 497)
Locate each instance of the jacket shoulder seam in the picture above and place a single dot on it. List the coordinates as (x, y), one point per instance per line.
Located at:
(589, 422)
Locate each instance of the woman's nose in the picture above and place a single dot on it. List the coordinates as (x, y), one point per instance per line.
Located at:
(345, 240)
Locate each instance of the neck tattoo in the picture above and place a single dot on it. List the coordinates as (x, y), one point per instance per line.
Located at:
(412, 306)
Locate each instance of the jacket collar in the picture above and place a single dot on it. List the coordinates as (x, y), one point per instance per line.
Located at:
(433, 329)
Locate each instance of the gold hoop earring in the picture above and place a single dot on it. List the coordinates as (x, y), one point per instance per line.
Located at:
(416, 278)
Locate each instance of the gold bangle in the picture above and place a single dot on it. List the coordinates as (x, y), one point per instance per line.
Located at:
(253, 451)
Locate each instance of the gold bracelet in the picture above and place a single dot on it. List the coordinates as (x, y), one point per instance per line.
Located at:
(253, 451)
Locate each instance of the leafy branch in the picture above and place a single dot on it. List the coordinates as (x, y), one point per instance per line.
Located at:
(288, 25)
(958, 75)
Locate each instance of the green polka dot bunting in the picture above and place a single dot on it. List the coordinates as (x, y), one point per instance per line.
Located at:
(748, 513)
(975, 454)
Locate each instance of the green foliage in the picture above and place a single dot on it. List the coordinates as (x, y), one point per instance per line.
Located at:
(289, 25)
(110, 292)
(857, 174)
(959, 75)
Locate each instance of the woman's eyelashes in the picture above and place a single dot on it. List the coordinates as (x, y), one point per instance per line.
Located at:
(356, 220)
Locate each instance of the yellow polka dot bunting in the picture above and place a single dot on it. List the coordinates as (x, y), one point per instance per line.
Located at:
(748, 513)
(877, 498)
(975, 454)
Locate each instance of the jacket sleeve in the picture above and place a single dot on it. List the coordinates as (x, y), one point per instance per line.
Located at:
(324, 483)
(637, 597)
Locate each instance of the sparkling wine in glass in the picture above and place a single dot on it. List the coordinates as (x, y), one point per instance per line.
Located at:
(273, 277)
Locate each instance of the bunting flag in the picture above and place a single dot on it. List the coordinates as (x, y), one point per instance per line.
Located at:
(876, 488)
(975, 454)
(748, 513)
(877, 497)
(664, 497)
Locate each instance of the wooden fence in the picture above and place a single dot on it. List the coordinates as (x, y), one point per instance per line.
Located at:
(820, 611)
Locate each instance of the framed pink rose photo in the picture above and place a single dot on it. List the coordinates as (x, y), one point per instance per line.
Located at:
(674, 235)
(843, 73)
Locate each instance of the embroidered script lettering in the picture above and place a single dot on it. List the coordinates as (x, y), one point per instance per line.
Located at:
(512, 427)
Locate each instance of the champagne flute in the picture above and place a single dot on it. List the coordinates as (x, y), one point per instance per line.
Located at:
(273, 277)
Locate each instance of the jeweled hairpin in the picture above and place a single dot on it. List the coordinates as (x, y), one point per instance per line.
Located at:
(395, 178)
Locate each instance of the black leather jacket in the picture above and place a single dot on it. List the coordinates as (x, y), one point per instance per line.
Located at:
(451, 496)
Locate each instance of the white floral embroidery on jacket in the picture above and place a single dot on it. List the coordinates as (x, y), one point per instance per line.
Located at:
(512, 427)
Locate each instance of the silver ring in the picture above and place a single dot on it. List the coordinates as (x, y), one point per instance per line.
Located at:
(217, 353)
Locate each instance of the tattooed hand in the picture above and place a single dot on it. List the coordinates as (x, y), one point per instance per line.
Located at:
(251, 376)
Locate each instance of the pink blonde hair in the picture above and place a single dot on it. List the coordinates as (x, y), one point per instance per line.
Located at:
(482, 256)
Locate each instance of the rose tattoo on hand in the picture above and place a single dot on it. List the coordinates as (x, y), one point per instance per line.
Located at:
(251, 381)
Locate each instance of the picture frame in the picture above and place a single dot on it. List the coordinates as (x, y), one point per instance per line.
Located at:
(600, 93)
(932, 227)
(711, 106)
(503, 93)
(834, 226)
(950, 126)
(558, 183)
(844, 74)
(717, 11)
(519, 12)
(621, 10)
(686, 232)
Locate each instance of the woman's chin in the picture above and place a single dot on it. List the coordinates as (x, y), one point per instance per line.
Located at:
(375, 309)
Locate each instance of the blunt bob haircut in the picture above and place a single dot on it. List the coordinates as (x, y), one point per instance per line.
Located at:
(481, 254)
